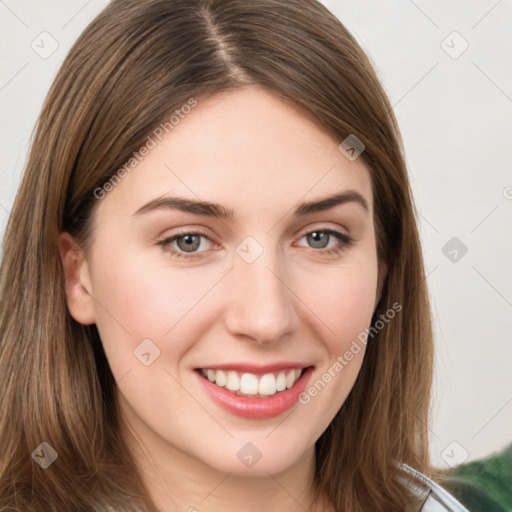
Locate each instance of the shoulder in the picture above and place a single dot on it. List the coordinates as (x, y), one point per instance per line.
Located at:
(436, 498)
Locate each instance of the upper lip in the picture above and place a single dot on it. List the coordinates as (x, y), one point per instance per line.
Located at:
(255, 368)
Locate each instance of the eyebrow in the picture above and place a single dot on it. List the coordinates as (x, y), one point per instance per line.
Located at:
(218, 211)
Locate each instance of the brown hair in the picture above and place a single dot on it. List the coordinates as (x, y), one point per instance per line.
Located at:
(136, 63)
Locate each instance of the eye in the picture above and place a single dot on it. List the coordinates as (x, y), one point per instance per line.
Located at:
(320, 239)
(187, 244)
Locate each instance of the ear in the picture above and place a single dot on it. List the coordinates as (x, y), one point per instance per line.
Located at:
(77, 280)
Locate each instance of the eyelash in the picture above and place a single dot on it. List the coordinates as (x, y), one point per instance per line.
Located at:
(345, 242)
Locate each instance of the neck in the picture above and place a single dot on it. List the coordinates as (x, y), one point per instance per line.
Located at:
(178, 481)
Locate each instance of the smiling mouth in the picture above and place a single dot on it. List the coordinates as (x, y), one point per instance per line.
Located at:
(252, 385)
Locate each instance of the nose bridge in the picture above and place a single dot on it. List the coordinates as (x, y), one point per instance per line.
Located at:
(261, 305)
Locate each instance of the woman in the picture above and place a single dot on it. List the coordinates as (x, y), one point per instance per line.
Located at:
(212, 287)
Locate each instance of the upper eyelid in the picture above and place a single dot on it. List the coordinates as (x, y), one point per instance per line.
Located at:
(322, 227)
(195, 231)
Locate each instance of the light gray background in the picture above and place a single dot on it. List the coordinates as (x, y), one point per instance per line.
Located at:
(455, 112)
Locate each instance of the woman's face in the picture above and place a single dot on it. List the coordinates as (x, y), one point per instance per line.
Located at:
(255, 290)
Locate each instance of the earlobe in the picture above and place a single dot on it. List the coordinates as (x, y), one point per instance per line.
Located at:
(77, 280)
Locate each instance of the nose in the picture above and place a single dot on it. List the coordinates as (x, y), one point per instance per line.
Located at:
(261, 302)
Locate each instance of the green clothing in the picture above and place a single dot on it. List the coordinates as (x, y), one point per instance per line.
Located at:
(484, 485)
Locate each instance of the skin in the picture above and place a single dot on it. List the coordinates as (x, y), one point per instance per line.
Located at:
(250, 151)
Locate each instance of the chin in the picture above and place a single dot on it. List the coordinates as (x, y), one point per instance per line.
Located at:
(258, 457)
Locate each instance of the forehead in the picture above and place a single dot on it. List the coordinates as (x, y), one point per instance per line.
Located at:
(248, 150)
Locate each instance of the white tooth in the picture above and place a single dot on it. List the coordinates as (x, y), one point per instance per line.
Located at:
(211, 375)
(220, 378)
(233, 382)
(281, 382)
(290, 379)
(204, 372)
(267, 384)
(249, 384)
(297, 374)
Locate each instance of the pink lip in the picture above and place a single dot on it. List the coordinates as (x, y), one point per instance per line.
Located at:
(256, 369)
(256, 408)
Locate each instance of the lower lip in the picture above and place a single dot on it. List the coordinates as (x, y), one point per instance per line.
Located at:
(256, 408)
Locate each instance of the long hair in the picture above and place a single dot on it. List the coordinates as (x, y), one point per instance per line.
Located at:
(133, 66)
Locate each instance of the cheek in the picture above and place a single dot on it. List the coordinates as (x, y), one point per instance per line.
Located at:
(136, 299)
(140, 297)
(344, 301)
(344, 304)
